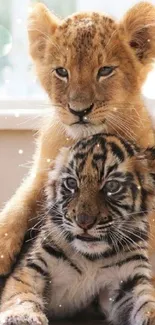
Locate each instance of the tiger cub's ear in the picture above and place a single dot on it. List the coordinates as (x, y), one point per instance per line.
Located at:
(138, 27)
(59, 164)
(145, 170)
(147, 158)
(41, 26)
(148, 155)
(55, 171)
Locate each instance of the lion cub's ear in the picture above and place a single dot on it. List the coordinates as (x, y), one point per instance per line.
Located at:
(41, 25)
(138, 27)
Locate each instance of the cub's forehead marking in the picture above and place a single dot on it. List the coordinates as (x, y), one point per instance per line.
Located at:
(78, 28)
(84, 34)
(96, 157)
(101, 150)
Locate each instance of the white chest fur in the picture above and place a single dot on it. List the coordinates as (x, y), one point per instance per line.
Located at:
(70, 290)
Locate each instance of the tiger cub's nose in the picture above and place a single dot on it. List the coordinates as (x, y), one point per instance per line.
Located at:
(85, 222)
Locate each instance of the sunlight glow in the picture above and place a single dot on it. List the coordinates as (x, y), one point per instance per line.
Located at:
(148, 89)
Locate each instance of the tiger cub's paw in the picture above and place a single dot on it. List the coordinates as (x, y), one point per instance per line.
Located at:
(148, 317)
(150, 320)
(11, 317)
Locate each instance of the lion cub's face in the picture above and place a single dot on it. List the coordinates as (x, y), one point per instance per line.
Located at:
(91, 67)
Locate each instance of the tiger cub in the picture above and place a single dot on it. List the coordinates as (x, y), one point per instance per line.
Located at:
(94, 240)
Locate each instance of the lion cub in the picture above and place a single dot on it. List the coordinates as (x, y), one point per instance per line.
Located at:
(92, 68)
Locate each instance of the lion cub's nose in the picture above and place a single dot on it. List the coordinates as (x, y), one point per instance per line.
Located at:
(81, 113)
(85, 222)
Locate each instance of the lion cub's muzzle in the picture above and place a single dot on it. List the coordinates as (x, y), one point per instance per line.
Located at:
(82, 114)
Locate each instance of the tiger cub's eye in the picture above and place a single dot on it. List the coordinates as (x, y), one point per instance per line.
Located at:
(70, 183)
(112, 187)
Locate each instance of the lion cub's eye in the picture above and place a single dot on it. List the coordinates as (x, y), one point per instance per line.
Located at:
(105, 71)
(112, 187)
(61, 72)
(70, 183)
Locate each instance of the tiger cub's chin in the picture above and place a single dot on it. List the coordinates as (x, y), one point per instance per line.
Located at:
(91, 248)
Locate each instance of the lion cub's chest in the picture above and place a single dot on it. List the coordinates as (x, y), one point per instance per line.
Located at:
(71, 289)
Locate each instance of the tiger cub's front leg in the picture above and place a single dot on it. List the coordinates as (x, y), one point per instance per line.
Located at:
(22, 300)
(133, 301)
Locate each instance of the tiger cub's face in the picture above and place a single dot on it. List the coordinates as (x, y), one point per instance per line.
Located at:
(100, 193)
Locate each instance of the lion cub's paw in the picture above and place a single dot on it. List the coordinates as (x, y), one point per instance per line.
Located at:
(10, 246)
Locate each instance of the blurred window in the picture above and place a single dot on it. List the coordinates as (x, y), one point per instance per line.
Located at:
(17, 78)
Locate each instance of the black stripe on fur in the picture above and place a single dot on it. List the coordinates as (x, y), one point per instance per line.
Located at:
(37, 268)
(59, 254)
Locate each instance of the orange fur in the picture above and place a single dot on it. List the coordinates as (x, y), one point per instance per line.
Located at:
(82, 44)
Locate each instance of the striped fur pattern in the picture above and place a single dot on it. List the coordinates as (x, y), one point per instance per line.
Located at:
(94, 240)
